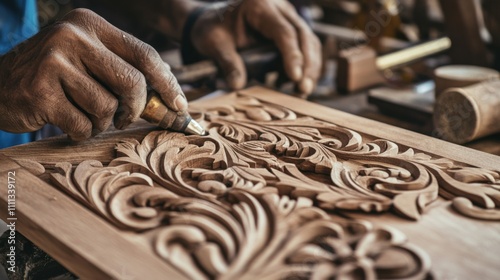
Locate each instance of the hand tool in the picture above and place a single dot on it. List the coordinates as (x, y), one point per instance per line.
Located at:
(464, 114)
(359, 67)
(451, 76)
(156, 112)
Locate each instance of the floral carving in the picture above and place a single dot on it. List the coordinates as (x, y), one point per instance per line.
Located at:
(242, 234)
(254, 197)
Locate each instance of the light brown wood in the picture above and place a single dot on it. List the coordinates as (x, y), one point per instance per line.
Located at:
(453, 76)
(464, 114)
(273, 192)
(359, 67)
(72, 234)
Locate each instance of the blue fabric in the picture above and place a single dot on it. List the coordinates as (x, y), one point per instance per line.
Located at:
(18, 22)
(11, 139)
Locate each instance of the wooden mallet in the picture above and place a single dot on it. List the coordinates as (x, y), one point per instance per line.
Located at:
(464, 114)
(360, 68)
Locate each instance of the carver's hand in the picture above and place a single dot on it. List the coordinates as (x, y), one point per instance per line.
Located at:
(80, 74)
(219, 32)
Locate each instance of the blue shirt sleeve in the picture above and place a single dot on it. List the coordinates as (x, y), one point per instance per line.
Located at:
(18, 22)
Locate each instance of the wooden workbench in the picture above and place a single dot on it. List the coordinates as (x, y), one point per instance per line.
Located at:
(280, 188)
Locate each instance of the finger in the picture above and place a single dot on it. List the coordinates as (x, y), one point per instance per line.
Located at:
(126, 82)
(223, 50)
(137, 53)
(276, 27)
(90, 96)
(68, 118)
(157, 73)
(232, 67)
(310, 47)
(312, 64)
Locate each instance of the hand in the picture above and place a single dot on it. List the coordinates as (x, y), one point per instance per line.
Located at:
(79, 75)
(219, 32)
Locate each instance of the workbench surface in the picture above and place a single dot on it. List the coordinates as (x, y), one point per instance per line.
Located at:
(280, 188)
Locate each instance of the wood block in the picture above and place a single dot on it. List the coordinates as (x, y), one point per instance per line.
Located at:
(357, 69)
(267, 194)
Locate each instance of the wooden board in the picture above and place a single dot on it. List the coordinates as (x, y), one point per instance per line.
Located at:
(280, 188)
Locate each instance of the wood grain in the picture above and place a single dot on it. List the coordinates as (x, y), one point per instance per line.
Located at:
(77, 238)
(464, 114)
(280, 188)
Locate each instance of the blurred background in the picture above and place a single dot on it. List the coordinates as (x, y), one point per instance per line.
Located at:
(393, 61)
(357, 74)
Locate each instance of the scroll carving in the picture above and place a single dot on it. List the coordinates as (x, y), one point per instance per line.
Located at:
(241, 233)
(255, 197)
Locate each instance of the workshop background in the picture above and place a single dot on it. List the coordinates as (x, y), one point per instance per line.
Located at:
(357, 75)
(414, 51)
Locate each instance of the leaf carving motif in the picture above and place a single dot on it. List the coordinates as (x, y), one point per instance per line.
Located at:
(251, 198)
(243, 234)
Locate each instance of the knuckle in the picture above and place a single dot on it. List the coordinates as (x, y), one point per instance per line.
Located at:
(288, 5)
(264, 5)
(44, 96)
(135, 79)
(109, 108)
(258, 12)
(81, 126)
(79, 14)
(85, 19)
(105, 106)
(258, 9)
(145, 54)
(53, 60)
(171, 81)
(75, 125)
(295, 56)
(63, 32)
(286, 32)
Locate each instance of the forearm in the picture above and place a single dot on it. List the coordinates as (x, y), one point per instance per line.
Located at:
(166, 16)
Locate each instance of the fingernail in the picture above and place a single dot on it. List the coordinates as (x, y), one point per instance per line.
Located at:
(122, 121)
(296, 73)
(78, 137)
(120, 124)
(95, 131)
(233, 79)
(307, 85)
(303, 95)
(181, 103)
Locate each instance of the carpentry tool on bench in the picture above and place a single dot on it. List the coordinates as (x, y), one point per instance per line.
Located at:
(360, 68)
(462, 114)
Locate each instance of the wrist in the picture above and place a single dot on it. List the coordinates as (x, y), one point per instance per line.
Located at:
(174, 16)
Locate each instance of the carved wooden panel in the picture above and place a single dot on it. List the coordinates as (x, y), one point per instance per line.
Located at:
(278, 192)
